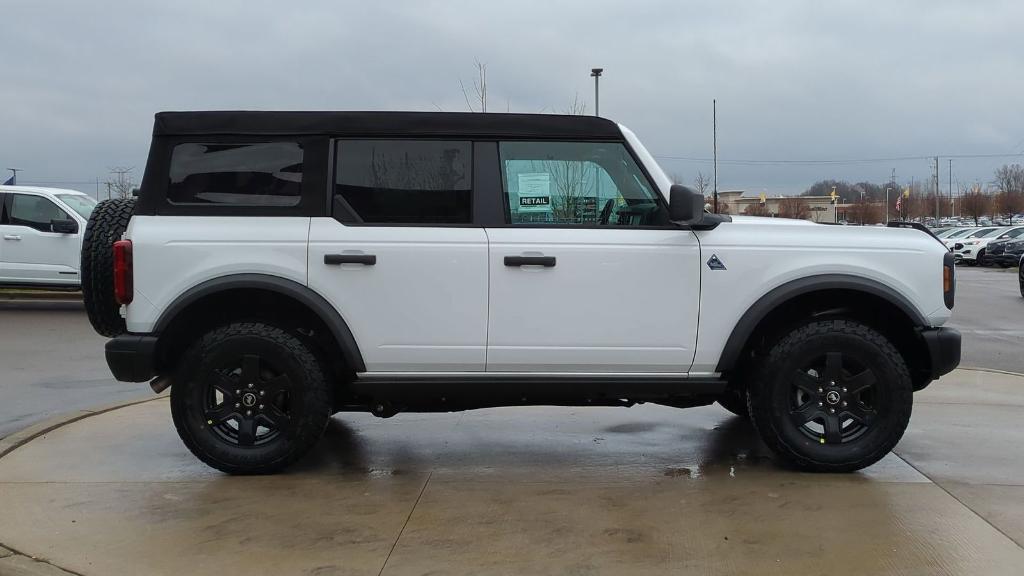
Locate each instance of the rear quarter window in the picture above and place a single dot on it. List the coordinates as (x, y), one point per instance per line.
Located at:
(248, 174)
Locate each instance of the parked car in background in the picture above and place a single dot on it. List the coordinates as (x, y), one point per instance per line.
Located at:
(993, 253)
(41, 231)
(1012, 253)
(953, 238)
(973, 245)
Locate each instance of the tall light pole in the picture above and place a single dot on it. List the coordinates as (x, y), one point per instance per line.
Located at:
(714, 146)
(596, 73)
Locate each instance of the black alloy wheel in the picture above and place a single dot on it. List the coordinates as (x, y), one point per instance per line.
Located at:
(250, 398)
(833, 400)
(831, 396)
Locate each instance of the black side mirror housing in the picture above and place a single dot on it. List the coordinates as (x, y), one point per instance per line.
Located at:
(685, 206)
(64, 226)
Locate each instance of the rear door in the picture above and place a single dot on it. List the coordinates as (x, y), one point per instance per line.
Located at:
(32, 253)
(587, 274)
(400, 258)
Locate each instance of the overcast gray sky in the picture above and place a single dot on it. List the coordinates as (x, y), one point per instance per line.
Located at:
(80, 81)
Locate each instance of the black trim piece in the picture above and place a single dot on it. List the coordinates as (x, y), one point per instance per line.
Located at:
(778, 296)
(463, 392)
(320, 306)
(3, 208)
(545, 261)
(943, 349)
(379, 124)
(949, 296)
(364, 259)
(130, 357)
(488, 197)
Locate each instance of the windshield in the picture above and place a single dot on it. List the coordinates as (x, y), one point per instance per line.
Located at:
(984, 233)
(79, 203)
(949, 233)
(960, 233)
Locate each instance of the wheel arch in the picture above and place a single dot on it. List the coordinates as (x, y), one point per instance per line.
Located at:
(873, 302)
(175, 318)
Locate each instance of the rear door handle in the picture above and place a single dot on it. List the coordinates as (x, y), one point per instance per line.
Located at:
(545, 261)
(364, 259)
(12, 237)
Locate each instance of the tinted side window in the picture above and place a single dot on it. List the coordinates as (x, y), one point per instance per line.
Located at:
(405, 181)
(34, 212)
(577, 184)
(258, 174)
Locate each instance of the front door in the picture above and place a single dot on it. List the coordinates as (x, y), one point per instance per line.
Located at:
(401, 259)
(32, 253)
(587, 275)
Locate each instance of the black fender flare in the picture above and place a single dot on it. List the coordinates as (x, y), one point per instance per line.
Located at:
(303, 294)
(781, 294)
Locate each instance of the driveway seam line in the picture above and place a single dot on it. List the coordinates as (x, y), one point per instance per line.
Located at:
(40, 560)
(12, 442)
(407, 518)
(961, 502)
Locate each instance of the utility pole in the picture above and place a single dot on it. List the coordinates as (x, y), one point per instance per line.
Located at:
(596, 73)
(14, 175)
(936, 190)
(714, 143)
(950, 187)
(892, 186)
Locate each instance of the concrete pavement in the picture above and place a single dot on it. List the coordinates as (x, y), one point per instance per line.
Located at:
(646, 490)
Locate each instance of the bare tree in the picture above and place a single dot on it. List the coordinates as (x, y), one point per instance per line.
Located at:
(1009, 182)
(794, 207)
(120, 185)
(756, 209)
(479, 89)
(702, 183)
(975, 203)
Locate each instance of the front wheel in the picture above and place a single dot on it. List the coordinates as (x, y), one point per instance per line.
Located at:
(249, 398)
(832, 396)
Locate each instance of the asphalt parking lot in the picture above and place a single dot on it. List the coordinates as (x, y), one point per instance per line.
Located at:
(514, 490)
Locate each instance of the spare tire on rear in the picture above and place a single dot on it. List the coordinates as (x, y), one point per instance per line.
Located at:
(106, 225)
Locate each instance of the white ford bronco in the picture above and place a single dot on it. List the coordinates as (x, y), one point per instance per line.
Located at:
(279, 267)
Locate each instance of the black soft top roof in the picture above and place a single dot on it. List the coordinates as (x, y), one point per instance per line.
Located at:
(398, 124)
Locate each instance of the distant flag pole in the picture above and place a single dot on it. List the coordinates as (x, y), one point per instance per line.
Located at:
(13, 180)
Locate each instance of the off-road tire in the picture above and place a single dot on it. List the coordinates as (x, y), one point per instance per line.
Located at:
(735, 401)
(1020, 276)
(309, 400)
(106, 225)
(770, 404)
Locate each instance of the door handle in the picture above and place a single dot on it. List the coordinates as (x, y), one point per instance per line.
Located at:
(545, 261)
(12, 237)
(364, 259)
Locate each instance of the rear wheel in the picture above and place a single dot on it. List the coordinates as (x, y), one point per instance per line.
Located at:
(1020, 276)
(832, 396)
(249, 398)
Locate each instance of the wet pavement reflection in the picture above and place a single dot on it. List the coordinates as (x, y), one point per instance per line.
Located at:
(538, 490)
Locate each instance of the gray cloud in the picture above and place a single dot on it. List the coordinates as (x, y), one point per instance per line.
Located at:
(79, 82)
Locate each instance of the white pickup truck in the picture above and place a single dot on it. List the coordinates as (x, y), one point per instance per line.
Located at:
(279, 267)
(41, 236)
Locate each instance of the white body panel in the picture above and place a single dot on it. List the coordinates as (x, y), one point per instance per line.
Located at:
(421, 307)
(761, 254)
(30, 256)
(173, 254)
(617, 300)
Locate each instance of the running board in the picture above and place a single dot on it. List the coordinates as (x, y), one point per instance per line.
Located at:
(461, 392)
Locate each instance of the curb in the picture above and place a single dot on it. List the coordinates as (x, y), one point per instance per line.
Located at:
(974, 369)
(20, 438)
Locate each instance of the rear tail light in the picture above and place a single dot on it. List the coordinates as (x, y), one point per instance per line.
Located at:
(948, 280)
(124, 290)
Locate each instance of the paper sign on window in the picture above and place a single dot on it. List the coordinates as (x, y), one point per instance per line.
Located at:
(535, 192)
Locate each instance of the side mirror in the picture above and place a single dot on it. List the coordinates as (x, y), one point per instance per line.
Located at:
(64, 226)
(684, 205)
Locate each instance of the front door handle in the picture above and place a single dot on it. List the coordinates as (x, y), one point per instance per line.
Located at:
(364, 259)
(12, 237)
(545, 261)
